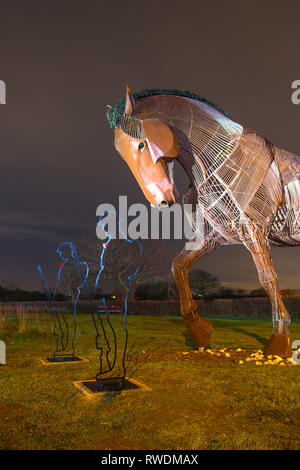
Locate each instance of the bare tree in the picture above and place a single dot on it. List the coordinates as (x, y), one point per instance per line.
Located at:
(9, 284)
(121, 260)
(202, 283)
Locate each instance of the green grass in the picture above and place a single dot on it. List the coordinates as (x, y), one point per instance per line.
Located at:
(197, 401)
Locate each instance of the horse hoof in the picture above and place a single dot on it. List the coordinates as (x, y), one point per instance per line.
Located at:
(280, 345)
(200, 329)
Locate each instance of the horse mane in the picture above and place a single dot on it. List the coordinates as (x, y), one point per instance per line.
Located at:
(117, 110)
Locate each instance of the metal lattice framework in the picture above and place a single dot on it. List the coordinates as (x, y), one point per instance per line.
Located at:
(245, 191)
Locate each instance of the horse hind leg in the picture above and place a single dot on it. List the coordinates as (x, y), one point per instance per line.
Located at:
(199, 328)
(257, 243)
(279, 342)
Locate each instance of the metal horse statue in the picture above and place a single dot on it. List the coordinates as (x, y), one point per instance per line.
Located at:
(245, 189)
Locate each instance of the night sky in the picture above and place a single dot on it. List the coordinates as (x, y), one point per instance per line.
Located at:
(63, 61)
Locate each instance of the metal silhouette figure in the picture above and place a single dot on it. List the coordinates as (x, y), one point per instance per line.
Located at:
(102, 331)
(244, 189)
(60, 324)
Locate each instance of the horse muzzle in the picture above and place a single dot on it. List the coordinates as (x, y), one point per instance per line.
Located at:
(166, 198)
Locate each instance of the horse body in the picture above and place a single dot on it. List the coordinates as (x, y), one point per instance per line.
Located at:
(245, 190)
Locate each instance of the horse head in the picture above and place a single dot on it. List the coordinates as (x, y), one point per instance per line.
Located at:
(149, 148)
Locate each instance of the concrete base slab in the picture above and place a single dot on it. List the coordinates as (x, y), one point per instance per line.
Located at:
(97, 388)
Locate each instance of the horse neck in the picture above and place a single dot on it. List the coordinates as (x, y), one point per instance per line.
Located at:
(204, 153)
(205, 135)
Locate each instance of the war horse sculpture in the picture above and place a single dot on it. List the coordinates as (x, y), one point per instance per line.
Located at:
(244, 189)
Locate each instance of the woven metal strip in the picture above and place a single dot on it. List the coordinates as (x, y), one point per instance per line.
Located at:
(132, 127)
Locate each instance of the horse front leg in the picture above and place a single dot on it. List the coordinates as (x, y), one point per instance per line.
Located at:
(256, 241)
(199, 328)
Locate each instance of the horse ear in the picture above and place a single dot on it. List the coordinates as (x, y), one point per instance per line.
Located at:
(161, 140)
(129, 102)
(108, 108)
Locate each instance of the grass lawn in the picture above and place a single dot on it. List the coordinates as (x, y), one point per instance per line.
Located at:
(197, 400)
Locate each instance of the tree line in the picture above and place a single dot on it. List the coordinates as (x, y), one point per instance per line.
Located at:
(153, 282)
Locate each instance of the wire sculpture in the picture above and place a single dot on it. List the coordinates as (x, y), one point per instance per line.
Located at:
(244, 190)
(116, 382)
(60, 324)
(96, 304)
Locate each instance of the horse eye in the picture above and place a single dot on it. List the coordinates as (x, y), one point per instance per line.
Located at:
(141, 145)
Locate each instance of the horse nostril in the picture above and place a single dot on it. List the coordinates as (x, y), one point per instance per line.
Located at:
(164, 204)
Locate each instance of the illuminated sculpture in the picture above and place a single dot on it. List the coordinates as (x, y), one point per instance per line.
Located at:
(106, 336)
(245, 189)
(82, 279)
(107, 365)
(67, 255)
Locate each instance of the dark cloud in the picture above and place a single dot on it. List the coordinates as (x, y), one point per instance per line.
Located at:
(64, 61)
